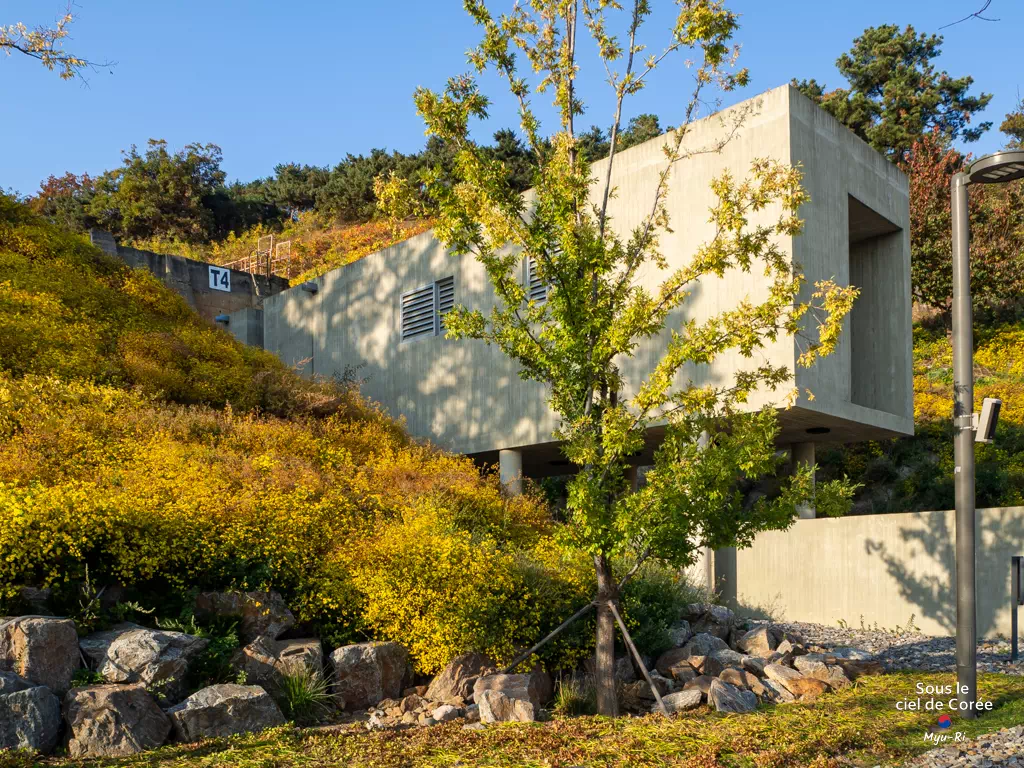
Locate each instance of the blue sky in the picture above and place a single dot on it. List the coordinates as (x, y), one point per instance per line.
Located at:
(308, 82)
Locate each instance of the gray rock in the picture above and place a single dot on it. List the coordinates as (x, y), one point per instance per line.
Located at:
(497, 707)
(851, 653)
(624, 671)
(702, 684)
(716, 620)
(703, 644)
(446, 712)
(728, 698)
(10, 682)
(760, 641)
(682, 701)
(113, 721)
(224, 710)
(680, 633)
(41, 649)
(520, 687)
(753, 664)
(672, 658)
(728, 658)
(742, 679)
(265, 662)
(29, 719)
(367, 673)
(157, 658)
(260, 614)
(775, 693)
(784, 676)
(811, 665)
(456, 680)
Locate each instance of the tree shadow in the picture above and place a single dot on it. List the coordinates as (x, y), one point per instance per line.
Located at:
(924, 568)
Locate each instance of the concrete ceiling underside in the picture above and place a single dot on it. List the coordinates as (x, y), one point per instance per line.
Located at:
(546, 459)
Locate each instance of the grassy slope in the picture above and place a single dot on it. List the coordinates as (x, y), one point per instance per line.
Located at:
(316, 247)
(860, 725)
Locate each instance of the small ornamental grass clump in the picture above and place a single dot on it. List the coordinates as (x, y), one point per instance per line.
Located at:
(305, 695)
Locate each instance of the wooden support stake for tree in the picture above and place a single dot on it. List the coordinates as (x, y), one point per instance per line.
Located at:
(636, 655)
(551, 636)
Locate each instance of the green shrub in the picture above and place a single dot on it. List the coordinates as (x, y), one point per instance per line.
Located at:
(305, 695)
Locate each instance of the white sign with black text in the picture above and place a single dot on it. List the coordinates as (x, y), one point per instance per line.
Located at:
(220, 279)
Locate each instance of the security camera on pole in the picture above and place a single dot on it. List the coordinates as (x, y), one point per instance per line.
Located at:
(967, 426)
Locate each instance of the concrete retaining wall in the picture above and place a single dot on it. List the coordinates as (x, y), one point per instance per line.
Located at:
(191, 279)
(879, 568)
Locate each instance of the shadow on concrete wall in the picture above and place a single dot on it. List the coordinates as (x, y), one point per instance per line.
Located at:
(930, 585)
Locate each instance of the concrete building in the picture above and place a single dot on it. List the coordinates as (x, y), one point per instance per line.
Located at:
(210, 289)
(382, 313)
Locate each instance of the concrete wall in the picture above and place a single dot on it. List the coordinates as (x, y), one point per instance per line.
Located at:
(469, 398)
(246, 325)
(191, 279)
(882, 568)
(856, 194)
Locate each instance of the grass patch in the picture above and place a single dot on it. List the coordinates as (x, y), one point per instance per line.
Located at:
(860, 726)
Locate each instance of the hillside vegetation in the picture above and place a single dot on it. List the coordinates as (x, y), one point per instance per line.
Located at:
(914, 474)
(141, 446)
(316, 246)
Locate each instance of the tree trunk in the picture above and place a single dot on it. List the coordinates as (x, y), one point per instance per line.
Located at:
(607, 701)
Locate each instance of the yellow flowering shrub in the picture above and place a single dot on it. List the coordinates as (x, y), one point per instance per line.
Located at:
(69, 310)
(145, 445)
(174, 497)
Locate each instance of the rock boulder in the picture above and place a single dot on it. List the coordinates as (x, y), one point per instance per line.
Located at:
(728, 698)
(10, 682)
(260, 614)
(682, 701)
(715, 620)
(157, 658)
(522, 687)
(497, 707)
(367, 673)
(113, 721)
(41, 649)
(457, 679)
(29, 719)
(264, 661)
(224, 710)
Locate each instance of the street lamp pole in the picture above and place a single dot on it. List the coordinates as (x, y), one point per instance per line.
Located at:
(963, 452)
(997, 168)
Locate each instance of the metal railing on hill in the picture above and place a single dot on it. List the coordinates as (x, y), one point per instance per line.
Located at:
(270, 258)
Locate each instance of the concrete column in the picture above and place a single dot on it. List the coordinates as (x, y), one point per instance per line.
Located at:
(803, 455)
(510, 469)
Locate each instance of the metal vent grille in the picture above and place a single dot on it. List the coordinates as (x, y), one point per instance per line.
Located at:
(422, 309)
(418, 314)
(536, 289)
(445, 295)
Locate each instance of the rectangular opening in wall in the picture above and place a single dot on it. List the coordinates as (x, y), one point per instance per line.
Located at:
(536, 289)
(876, 326)
(418, 313)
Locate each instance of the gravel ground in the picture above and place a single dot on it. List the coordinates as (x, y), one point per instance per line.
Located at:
(912, 650)
(1005, 748)
(909, 650)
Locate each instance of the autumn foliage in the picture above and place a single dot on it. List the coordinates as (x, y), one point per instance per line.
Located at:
(997, 231)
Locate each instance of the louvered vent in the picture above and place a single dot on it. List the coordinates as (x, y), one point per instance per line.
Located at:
(445, 295)
(422, 309)
(418, 313)
(536, 289)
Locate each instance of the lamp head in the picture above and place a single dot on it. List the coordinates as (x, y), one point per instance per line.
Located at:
(997, 168)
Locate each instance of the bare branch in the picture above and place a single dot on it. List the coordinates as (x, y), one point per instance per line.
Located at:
(975, 15)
